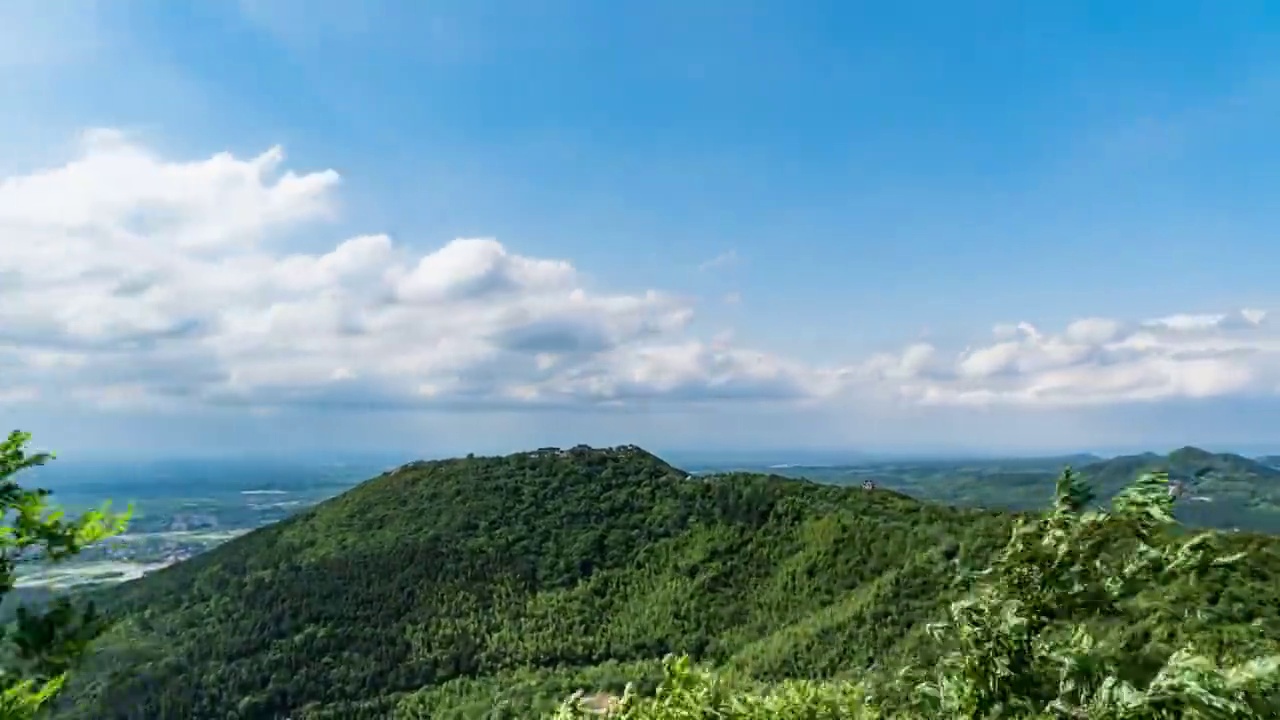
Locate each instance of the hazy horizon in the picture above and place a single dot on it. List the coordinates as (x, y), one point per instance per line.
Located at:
(755, 457)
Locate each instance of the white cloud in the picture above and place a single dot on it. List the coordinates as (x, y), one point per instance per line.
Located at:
(1097, 361)
(128, 279)
(120, 188)
(724, 259)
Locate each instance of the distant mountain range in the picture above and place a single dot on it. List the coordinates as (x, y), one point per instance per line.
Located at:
(1186, 464)
(1222, 490)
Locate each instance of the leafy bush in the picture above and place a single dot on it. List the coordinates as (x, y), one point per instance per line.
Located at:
(41, 646)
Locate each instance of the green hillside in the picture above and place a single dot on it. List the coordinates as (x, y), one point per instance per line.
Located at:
(446, 589)
(1182, 464)
(1223, 490)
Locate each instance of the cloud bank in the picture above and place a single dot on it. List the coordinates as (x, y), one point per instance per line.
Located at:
(132, 280)
(127, 278)
(1096, 361)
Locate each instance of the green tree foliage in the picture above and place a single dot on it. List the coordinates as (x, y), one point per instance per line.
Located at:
(41, 647)
(1020, 644)
(497, 587)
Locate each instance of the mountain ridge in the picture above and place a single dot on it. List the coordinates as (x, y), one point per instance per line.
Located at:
(440, 586)
(1225, 491)
(1181, 461)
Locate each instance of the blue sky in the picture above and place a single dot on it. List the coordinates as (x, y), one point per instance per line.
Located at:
(834, 203)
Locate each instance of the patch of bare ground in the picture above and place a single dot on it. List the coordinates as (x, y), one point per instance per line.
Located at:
(600, 703)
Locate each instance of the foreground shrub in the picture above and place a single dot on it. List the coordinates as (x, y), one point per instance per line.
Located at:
(40, 647)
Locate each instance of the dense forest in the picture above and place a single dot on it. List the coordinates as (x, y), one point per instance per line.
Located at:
(498, 586)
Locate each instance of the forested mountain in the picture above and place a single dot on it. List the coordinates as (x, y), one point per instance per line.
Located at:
(1188, 463)
(449, 588)
(1222, 490)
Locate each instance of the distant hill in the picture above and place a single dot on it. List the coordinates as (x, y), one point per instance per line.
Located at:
(1223, 490)
(1187, 464)
(443, 589)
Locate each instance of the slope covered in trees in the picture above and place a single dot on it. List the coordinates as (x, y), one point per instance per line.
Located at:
(1222, 490)
(451, 588)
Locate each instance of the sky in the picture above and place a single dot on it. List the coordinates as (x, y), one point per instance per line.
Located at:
(308, 226)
